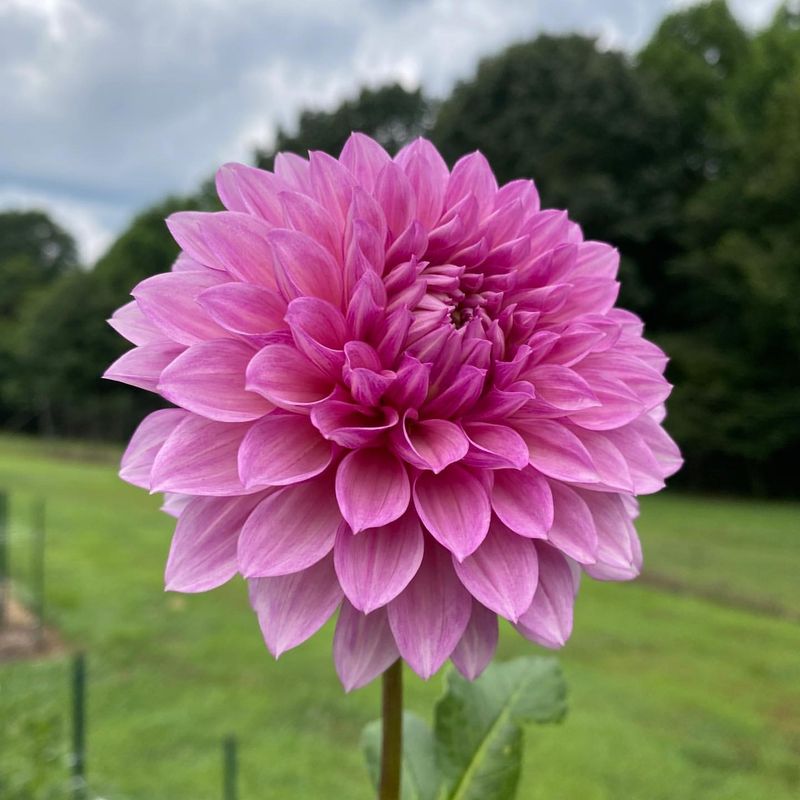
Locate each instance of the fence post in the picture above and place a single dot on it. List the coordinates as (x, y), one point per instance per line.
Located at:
(229, 768)
(79, 727)
(37, 567)
(5, 577)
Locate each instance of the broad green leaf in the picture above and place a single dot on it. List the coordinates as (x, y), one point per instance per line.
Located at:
(478, 734)
(419, 779)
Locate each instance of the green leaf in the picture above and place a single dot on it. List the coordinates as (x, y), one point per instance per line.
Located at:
(419, 778)
(478, 734)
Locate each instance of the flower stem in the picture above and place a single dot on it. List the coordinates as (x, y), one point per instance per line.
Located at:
(392, 745)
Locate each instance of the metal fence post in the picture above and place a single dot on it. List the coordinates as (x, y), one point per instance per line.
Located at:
(229, 768)
(37, 567)
(79, 727)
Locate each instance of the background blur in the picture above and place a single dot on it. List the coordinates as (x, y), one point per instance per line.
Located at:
(669, 129)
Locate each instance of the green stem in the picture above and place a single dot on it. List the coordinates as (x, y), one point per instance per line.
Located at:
(392, 745)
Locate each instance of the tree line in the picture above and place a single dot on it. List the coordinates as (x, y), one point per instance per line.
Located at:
(685, 155)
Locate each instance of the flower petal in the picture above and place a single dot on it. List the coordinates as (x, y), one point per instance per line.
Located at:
(573, 531)
(209, 379)
(318, 330)
(203, 551)
(372, 488)
(281, 449)
(374, 566)
(363, 646)
(502, 573)
(290, 530)
(130, 322)
(523, 501)
(476, 647)
(556, 451)
(143, 365)
(291, 608)
(430, 616)
(454, 507)
(147, 440)
(495, 446)
(429, 444)
(244, 309)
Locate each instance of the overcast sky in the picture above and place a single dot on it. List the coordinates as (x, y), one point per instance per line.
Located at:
(108, 105)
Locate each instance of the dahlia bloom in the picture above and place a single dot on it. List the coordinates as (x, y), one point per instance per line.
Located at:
(403, 393)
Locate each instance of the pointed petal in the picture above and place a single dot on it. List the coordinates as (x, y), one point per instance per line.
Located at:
(430, 616)
(495, 446)
(372, 488)
(363, 646)
(352, 426)
(318, 330)
(523, 501)
(548, 621)
(454, 507)
(476, 647)
(244, 308)
(147, 439)
(209, 379)
(556, 451)
(429, 444)
(365, 158)
(143, 365)
(203, 551)
(281, 449)
(502, 573)
(290, 530)
(292, 608)
(573, 530)
(130, 322)
(374, 566)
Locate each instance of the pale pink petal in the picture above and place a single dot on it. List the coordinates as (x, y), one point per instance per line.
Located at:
(372, 488)
(365, 158)
(209, 379)
(292, 608)
(548, 621)
(169, 300)
(351, 425)
(573, 531)
(494, 446)
(244, 308)
(363, 646)
(147, 440)
(318, 330)
(374, 566)
(618, 553)
(281, 449)
(476, 647)
(454, 507)
(143, 365)
(254, 191)
(523, 501)
(203, 551)
(290, 530)
(556, 451)
(430, 616)
(130, 322)
(502, 573)
(200, 458)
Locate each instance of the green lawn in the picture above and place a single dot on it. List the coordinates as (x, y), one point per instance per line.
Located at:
(685, 685)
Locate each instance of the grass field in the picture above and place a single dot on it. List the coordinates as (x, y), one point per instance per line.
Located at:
(684, 685)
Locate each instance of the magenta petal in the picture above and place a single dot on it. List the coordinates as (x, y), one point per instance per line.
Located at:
(226, 240)
(365, 158)
(244, 308)
(255, 191)
(476, 647)
(363, 646)
(523, 501)
(143, 365)
(502, 573)
(200, 458)
(209, 379)
(430, 616)
(429, 444)
(372, 488)
(495, 446)
(281, 449)
(170, 301)
(350, 425)
(305, 268)
(290, 530)
(573, 530)
(130, 322)
(548, 621)
(618, 553)
(318, 330)
(137, 461)
(203, 551)
(374, 566)
(556, 451)
(291, 608)
(287, 378)
(454, 507)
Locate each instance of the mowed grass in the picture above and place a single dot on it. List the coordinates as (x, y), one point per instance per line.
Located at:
(684, 686)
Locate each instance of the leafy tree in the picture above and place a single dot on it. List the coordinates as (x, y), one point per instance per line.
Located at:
(390, 114)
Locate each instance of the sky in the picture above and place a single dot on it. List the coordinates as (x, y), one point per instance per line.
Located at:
(107, 106)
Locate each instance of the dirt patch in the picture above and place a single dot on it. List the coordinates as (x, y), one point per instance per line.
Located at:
(23, 639)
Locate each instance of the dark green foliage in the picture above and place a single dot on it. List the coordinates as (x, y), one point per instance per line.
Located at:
(390, 114)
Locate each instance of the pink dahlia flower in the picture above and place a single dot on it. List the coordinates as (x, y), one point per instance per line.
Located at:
(403, 393)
